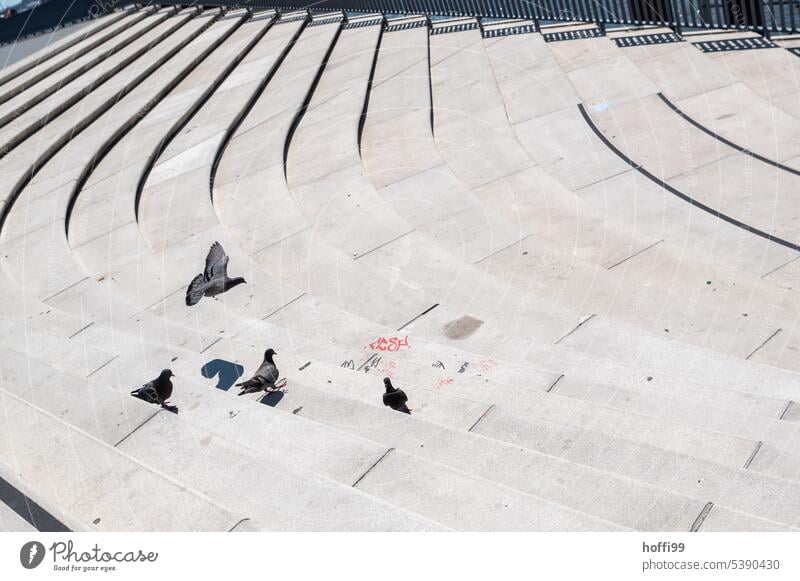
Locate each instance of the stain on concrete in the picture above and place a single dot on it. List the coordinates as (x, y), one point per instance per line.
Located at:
(462, 328)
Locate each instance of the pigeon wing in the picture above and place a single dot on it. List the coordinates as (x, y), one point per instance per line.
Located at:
(216, 262)
(270, 374)
(148, 392)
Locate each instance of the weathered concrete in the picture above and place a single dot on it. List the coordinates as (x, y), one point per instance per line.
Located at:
(385, 226)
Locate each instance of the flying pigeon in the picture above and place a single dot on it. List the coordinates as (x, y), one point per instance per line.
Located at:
(157, 391)
(264, 378)
(395, 398)
(214, 280)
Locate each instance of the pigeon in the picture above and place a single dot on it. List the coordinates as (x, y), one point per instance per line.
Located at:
(214, 280)
(264, 378)
(157, 391)
(395, 398)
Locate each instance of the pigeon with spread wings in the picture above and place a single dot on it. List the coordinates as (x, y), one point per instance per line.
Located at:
(214, 280)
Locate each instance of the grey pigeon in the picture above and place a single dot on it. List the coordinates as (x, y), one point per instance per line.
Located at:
(157, 391)
(395, 398)
(214, 280)
(264, 378)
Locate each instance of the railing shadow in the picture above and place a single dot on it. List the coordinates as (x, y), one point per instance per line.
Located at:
(226, 372)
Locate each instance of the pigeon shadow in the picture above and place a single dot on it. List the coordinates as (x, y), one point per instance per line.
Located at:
(272, 398)
(226, 372)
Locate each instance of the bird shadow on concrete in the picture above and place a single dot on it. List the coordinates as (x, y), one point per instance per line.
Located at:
(226, 372)
(272, 398)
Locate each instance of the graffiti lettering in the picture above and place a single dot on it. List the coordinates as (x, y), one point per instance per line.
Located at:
(389, 344)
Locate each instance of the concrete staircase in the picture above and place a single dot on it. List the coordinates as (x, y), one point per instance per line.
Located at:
(567, 365)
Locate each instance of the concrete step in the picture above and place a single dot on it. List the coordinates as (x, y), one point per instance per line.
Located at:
(204, 407)
(624, 501)
(742, 490)
(595, 173)
(303, 521)
(281, 497)
(450, 409)
(170, 30)
(212, 427)
(15, 103)
(60, 46)
(600, 421)
(33, 81)
(89, 485)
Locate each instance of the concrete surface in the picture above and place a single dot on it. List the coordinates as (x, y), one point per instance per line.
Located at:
(582, 349)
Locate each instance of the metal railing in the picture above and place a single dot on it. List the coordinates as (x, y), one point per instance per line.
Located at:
(763, 16)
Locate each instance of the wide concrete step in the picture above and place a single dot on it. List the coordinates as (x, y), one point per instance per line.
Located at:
(485, 495)
(89, 485)
(557, 73)
(280, 496)
(73, 59)
(450, 409)
(43, 59)
(467, 502)
(458, 408)
(233, 419)
(213, 427)
(742, 489)
(627, 502)
(15, 103)
(153, 46)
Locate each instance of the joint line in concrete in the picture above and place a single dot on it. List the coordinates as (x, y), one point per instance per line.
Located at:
(767, 340)
(578, 326)
(753, 455)
(483, 415)
(698, 522)
(378, 461)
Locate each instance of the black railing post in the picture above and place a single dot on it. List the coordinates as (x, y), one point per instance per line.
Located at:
(766, 32)
(675, 8)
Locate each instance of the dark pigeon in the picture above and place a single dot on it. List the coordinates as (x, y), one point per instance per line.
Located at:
(214, 280)
(157, 391)
(395, 398)
(264, 378)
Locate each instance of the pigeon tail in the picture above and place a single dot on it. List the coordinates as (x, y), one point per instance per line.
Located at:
(250, 389)
(196, 290)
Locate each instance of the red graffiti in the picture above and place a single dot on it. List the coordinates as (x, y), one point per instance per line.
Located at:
(388, 368)
(444, 381)
(390, 344)
(486, 364)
